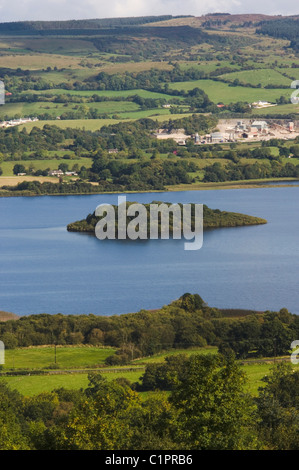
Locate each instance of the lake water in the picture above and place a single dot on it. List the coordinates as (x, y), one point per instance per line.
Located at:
(45, 269)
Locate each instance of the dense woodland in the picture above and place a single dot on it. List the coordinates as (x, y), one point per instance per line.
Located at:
(237, 172)
(286, 28)
(184, 323)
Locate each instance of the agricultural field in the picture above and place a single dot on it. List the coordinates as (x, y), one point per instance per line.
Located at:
(14, 180)
(220, 92)
(72, 364)
(56, 357)
(263, 77)
(87, 81)
(283, 109)
(33, 385)
(10, 110)
(105, 93)
(87, 124)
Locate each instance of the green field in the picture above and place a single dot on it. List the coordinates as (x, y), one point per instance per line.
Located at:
(87, 124)
(261, 76)
(33, 385)
(104, 93)
(220, 92)
(66, 357)
(57, 109)
(52, 163)
(70, 360)
(97, 124)
(149, 113)
(286, 109)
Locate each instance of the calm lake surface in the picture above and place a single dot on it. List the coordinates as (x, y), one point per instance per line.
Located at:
(45, 269)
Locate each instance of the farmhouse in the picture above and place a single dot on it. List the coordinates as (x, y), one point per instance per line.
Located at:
(56, 173)
(262, 104)
(17, 122)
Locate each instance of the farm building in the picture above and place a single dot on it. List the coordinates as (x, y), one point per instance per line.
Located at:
(56, 173)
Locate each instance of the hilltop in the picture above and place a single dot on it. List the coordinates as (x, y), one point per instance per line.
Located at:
(222, 19)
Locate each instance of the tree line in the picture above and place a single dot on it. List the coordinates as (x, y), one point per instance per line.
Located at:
(132, 135)
(240, 171)
(186, 322)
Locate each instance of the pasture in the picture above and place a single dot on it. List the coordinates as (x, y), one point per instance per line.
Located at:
(33, 385)
(74, 363)
(263, 77)
(66, 357)
(55, 110)
(220, 92)
(105, 93)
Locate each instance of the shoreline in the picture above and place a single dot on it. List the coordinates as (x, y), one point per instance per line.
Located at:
(248, 184)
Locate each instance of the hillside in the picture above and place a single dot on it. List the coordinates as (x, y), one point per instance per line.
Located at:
(147, 75)
(222, 19)
(6, 316)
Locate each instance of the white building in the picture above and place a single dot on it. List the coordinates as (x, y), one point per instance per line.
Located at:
(260, 125)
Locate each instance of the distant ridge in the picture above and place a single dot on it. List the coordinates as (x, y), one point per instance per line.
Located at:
(96, 23)
(224, 20)
(5, 316)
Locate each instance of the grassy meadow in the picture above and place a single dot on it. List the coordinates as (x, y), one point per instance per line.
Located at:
(220, 92)
(57, 109)
(73, 363)
(66, 357)
(34, 385)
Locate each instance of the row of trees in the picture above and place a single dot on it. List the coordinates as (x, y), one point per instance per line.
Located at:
(36, 188)
(122, 136)
(239, 171)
